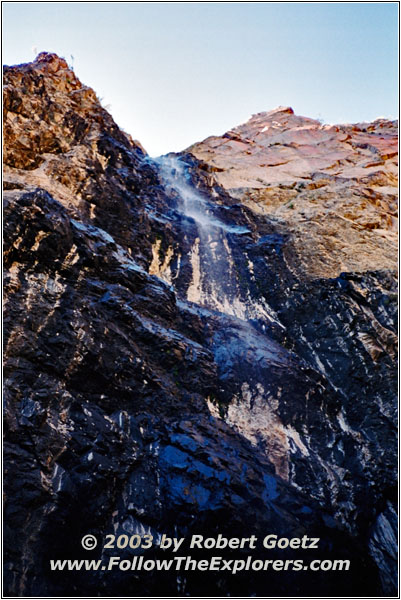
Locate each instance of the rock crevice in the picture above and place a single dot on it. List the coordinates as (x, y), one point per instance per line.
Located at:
(203, 343)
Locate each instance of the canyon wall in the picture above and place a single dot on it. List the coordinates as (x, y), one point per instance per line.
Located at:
(202, 343)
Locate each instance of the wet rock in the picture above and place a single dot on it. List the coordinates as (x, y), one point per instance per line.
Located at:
(177, 362)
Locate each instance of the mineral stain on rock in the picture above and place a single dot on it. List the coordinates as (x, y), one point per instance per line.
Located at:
(203, 343)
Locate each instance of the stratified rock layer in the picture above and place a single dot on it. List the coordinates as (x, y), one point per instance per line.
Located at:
(334, 186)
(185, 354)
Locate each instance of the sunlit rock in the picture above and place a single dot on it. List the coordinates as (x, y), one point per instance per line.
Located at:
(199, 344)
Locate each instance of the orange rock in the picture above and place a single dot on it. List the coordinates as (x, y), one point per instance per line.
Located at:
(286, 166)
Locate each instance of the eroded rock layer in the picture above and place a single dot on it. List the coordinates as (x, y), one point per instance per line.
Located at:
(335, 186)
(203, 343)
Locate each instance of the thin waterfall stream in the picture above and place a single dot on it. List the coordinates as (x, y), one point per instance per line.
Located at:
(215, 282)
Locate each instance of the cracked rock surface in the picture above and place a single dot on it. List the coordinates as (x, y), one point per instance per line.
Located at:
(186, 352)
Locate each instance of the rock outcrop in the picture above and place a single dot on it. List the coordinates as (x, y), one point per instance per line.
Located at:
(202, 343)
(333, 185)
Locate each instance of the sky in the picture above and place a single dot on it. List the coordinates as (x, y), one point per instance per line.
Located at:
(174, 73)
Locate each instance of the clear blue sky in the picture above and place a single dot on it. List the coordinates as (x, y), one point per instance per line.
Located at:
(175, 73)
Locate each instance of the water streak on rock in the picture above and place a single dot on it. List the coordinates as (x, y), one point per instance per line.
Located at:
(215, 274)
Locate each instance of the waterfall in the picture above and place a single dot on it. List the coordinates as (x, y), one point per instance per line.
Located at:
(215, 274)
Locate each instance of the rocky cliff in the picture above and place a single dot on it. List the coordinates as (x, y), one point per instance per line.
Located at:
(333, 185)
(202, 343)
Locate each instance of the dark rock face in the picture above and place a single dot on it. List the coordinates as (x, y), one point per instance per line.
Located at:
(171, 369)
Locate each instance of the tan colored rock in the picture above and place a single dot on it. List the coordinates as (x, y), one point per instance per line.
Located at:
(333, 186)
(53, 127)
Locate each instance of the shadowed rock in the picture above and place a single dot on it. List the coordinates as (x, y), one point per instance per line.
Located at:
(185, 355)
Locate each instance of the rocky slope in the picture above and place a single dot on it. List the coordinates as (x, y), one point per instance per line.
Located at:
(202, 343)
(335, 186)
